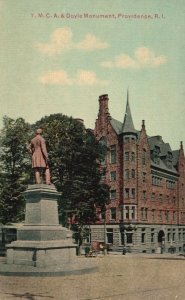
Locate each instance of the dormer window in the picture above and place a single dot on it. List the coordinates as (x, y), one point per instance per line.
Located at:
(156, 153)
(169, 155)
(169, 160)
(126, 139)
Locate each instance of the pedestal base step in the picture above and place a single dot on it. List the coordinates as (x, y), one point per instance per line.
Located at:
(40, 254)
(78, 266)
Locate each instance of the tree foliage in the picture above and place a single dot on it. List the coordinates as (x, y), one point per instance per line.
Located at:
(73, 156)
(73, 161)
(15, 166)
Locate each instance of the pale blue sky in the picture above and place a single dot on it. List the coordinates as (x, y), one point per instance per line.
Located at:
(51, 65)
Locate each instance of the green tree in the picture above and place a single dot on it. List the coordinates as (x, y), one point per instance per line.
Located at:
(75, 169)
(15, 168)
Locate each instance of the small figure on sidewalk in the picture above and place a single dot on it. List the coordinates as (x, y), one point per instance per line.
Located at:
(101, 247)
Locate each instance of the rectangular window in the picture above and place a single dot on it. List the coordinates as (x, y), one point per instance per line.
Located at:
(127, 212)
(160, 215)
(160, 198)
(146, 213)
(126, 193)
(142, 213)
(143, 235)
(156, 181)
(133, 173)
(109, 235)
(144, 195)
(113, 154)
(113, 213)
(113, 194)
(166, 216)
(133, 193)
(144, 177)
(133, 212)
(152, 235)
(170, 184)
(153, 197)
(133, 156)
(167, 199)
(127, 174)
(126, 139)
(174, 216)
(126, 156)
(173, 200)
(129, 238)
(113, 176)
(153, 214)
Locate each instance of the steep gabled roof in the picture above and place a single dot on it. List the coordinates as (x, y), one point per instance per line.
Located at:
(157, 141)
(164, 149)
(117, 125)
(175, 157)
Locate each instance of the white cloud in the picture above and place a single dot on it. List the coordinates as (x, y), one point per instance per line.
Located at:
(91, 42)
(61, 39)
(143, 57)
(88, 78)
(82, 78)
(57, 77)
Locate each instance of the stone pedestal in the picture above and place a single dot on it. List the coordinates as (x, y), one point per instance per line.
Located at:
(41, 241)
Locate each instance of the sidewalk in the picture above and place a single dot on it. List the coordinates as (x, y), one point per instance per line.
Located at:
(119, 277)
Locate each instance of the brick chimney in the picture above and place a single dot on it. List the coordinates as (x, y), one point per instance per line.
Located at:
(103, 115)
(103, 104)
(143, 123)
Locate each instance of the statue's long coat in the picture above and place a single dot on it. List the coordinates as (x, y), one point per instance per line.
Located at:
(39, 152)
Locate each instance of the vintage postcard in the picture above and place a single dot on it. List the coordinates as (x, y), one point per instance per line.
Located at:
(118, 69)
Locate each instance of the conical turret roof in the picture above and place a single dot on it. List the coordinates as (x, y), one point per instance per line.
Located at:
(128, 125)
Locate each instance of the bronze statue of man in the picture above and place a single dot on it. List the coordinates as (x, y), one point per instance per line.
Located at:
(37, 148)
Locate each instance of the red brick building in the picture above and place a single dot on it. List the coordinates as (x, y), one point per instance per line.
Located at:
(147, 187)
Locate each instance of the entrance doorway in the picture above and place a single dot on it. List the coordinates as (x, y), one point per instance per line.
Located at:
(161, 237)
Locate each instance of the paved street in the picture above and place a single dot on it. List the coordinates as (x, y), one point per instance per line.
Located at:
(130, 277)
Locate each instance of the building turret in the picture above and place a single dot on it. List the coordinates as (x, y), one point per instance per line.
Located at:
(128, 125)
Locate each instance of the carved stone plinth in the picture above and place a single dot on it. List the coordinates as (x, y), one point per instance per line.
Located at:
(41, 241)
